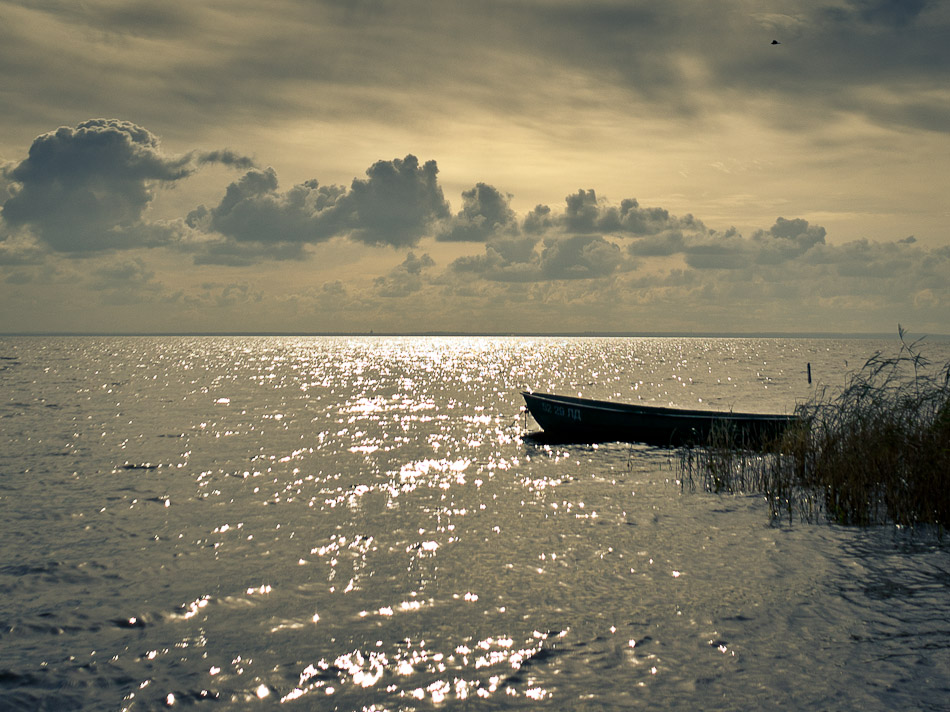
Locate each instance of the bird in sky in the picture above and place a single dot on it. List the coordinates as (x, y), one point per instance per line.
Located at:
(776, 42)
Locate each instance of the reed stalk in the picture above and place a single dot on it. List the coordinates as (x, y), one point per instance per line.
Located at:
(877, 451)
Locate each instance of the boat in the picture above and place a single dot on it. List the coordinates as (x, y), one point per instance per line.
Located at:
(571, 419)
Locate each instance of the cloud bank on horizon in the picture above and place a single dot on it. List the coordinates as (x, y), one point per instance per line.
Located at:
(516, 165)
(85, 192)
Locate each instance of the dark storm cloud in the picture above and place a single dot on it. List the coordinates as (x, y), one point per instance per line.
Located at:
(485, 213)
(86, 189)
(395, 205)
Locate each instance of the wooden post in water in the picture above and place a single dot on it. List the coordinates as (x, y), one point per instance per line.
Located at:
(809, 374)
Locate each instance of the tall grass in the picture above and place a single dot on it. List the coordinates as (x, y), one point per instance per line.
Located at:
(877, 451)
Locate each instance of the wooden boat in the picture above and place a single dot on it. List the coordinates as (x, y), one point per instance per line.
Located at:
(570, 419)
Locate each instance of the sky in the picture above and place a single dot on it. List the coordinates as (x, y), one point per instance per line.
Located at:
(302, 166)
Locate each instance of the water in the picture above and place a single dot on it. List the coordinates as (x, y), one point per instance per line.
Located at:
(357, 524)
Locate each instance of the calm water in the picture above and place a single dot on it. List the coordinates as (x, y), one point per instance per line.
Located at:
(357, 524)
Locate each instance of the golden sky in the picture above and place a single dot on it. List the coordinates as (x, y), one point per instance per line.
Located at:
(517, 165)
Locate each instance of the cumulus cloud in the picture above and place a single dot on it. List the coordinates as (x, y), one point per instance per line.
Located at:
(538, 221)
(19, 249)
(718, 251)
(485, 213)
(660, 245)
(498, 265)
(394, 206)
(253, 210)
(785, 240)
(586, 213)
(575, 241)
(86, 189)
(6, 182)
(518, 260)
(406, 278)
(396, 203)
(579, 257)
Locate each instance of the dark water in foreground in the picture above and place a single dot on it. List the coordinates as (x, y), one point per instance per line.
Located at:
(357, 524)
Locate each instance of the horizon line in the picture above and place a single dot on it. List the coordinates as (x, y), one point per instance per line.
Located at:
(539, 334)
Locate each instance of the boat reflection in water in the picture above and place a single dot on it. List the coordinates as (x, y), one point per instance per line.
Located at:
(572, 419)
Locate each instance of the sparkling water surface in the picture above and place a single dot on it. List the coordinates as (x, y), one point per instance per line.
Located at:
(358, 524)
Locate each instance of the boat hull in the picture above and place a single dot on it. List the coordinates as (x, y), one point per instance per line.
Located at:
(571, 419)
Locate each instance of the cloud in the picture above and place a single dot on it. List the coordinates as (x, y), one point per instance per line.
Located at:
(485, 213)
(124, 271)
(785, 240)
(394, 206)
(90, 190)
(20, 249)
(414, 61)
(587, 214)
(882, 13)
(517, 259)
(663, 244)
(579, 257)
(226, 157)
(230, 253)
(253, 210)
(719, 251)
(538, 221)
(86, 189)
(688, 275)
(6, 182)
(406, 278)
(126, 281)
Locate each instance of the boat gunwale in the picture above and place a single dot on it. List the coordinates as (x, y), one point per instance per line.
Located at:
(661, 411)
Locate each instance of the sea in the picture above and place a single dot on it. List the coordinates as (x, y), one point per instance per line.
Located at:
(366, 523)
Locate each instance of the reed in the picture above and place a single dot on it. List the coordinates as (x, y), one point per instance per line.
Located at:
(876, 451)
